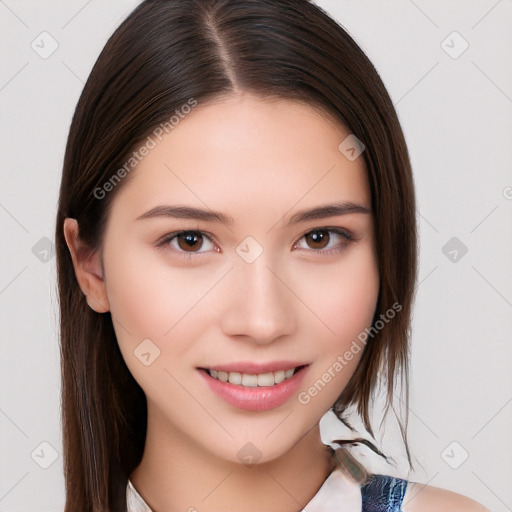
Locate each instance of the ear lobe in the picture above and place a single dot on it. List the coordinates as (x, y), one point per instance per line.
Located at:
(88, 268)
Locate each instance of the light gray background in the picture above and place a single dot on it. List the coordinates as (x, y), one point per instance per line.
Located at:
(457, 118)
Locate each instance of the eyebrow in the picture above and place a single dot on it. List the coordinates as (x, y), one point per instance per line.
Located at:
(189, 212)
(328, 210)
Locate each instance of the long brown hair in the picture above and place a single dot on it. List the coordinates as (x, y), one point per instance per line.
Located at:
(165, 53)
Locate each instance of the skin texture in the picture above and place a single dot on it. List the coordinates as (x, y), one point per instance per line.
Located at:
(427, 498)
(260, 162)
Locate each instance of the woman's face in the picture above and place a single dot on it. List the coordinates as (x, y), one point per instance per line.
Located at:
(265, 283)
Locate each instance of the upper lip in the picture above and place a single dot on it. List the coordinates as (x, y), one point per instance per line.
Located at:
(252, 368)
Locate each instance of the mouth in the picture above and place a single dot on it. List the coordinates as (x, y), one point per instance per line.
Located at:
(253, 380)
(255, 387)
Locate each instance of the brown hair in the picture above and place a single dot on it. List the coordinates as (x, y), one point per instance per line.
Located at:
(165, 53)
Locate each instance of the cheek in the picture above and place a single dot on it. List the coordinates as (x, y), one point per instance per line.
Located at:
(149, 296)
(353, 298)
(346, 305)
(171, 306)
(344, 297)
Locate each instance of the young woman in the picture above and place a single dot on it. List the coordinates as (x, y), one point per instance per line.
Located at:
(236, 256)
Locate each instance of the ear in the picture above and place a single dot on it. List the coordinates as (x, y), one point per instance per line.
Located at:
(88, 268)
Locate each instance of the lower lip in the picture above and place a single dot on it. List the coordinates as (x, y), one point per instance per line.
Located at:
(261, 398)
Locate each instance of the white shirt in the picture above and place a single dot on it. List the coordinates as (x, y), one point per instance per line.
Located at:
(335, 490)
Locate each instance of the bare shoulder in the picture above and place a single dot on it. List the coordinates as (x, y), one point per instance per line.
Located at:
(426, 498)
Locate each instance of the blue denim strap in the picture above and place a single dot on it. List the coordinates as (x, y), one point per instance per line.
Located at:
(382, 493)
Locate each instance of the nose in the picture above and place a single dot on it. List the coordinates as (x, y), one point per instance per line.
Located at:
(259, 306)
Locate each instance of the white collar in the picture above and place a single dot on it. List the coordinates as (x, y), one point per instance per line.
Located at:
(335, 490)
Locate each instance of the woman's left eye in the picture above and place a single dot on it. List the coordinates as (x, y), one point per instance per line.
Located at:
(324, 240)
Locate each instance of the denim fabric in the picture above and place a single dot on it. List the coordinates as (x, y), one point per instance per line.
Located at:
(382, 493)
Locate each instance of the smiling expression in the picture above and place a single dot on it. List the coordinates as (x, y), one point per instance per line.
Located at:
(242, 248)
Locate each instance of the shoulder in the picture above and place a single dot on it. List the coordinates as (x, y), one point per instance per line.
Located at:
(426, 498)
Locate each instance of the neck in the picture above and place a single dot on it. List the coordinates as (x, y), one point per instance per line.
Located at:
(176, 474)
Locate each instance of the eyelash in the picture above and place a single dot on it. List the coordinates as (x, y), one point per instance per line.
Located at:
(164, 241)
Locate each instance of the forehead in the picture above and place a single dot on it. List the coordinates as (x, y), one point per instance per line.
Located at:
(247, 152)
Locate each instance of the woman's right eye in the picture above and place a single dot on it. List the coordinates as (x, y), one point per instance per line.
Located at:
(189, 242)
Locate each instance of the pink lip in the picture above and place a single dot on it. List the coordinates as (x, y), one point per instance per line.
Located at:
(258, 398)
(252, 368)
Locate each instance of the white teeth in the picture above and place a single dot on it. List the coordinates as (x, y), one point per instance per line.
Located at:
(279, 376)
(252, 381)
(266, 379)
(235, 377)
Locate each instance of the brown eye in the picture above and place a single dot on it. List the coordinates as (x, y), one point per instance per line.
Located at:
(190, 241)
(324, 240)
(317, 239)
